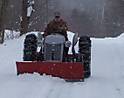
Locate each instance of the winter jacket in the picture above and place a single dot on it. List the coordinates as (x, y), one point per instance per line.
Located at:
(59, 27)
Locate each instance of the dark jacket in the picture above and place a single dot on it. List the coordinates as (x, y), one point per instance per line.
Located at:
(59, 27)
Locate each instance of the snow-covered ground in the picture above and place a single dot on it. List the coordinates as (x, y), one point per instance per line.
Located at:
(107, 79)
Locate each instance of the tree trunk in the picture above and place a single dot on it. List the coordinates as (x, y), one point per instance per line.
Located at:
(3, 4)
(24, 20)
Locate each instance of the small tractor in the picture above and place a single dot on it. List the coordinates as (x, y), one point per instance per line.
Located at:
(51, 58)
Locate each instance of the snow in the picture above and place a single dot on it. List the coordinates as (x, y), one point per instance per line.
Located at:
(11, 34)
(107, 80)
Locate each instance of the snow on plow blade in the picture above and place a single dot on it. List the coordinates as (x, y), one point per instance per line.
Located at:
(69, 71)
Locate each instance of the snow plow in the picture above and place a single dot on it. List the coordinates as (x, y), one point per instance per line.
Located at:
(51, 58)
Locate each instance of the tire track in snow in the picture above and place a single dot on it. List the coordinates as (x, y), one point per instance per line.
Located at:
(59, 90)
(120, 80)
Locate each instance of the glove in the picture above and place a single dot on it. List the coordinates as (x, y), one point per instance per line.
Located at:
(67, 44)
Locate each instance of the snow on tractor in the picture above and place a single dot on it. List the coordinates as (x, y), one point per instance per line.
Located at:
(52, 59)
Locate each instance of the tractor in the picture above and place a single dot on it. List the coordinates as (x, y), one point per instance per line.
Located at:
(46, 55)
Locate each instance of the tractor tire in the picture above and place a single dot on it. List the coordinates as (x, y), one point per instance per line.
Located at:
(85, 51)
(30, 48)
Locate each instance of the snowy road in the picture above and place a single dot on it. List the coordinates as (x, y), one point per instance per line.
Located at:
(107, 79)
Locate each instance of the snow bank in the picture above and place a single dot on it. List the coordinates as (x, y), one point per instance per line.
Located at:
(11, 34)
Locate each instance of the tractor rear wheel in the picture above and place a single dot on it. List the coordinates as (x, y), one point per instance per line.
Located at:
(85, 51)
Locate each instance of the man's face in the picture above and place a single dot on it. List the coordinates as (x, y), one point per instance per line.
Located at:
(57, 18)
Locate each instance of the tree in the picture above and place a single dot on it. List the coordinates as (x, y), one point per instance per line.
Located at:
(3, 5)
(82, 21)
(27, 9)
(24, 19)
(114, 17)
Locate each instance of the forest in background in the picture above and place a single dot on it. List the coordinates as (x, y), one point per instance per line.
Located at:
(95, 18)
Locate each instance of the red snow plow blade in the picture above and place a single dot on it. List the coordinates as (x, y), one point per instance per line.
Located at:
(70, 71)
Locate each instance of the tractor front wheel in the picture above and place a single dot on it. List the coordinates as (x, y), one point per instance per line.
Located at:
(30, 48)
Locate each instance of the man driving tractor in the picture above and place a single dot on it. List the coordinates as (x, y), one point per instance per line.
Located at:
(59, 26)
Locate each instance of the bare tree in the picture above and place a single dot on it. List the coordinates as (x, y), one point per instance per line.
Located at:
(24, 19)
(27, 9)
(3, 4)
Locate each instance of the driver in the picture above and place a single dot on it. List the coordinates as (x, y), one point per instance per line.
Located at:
(57, 25)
